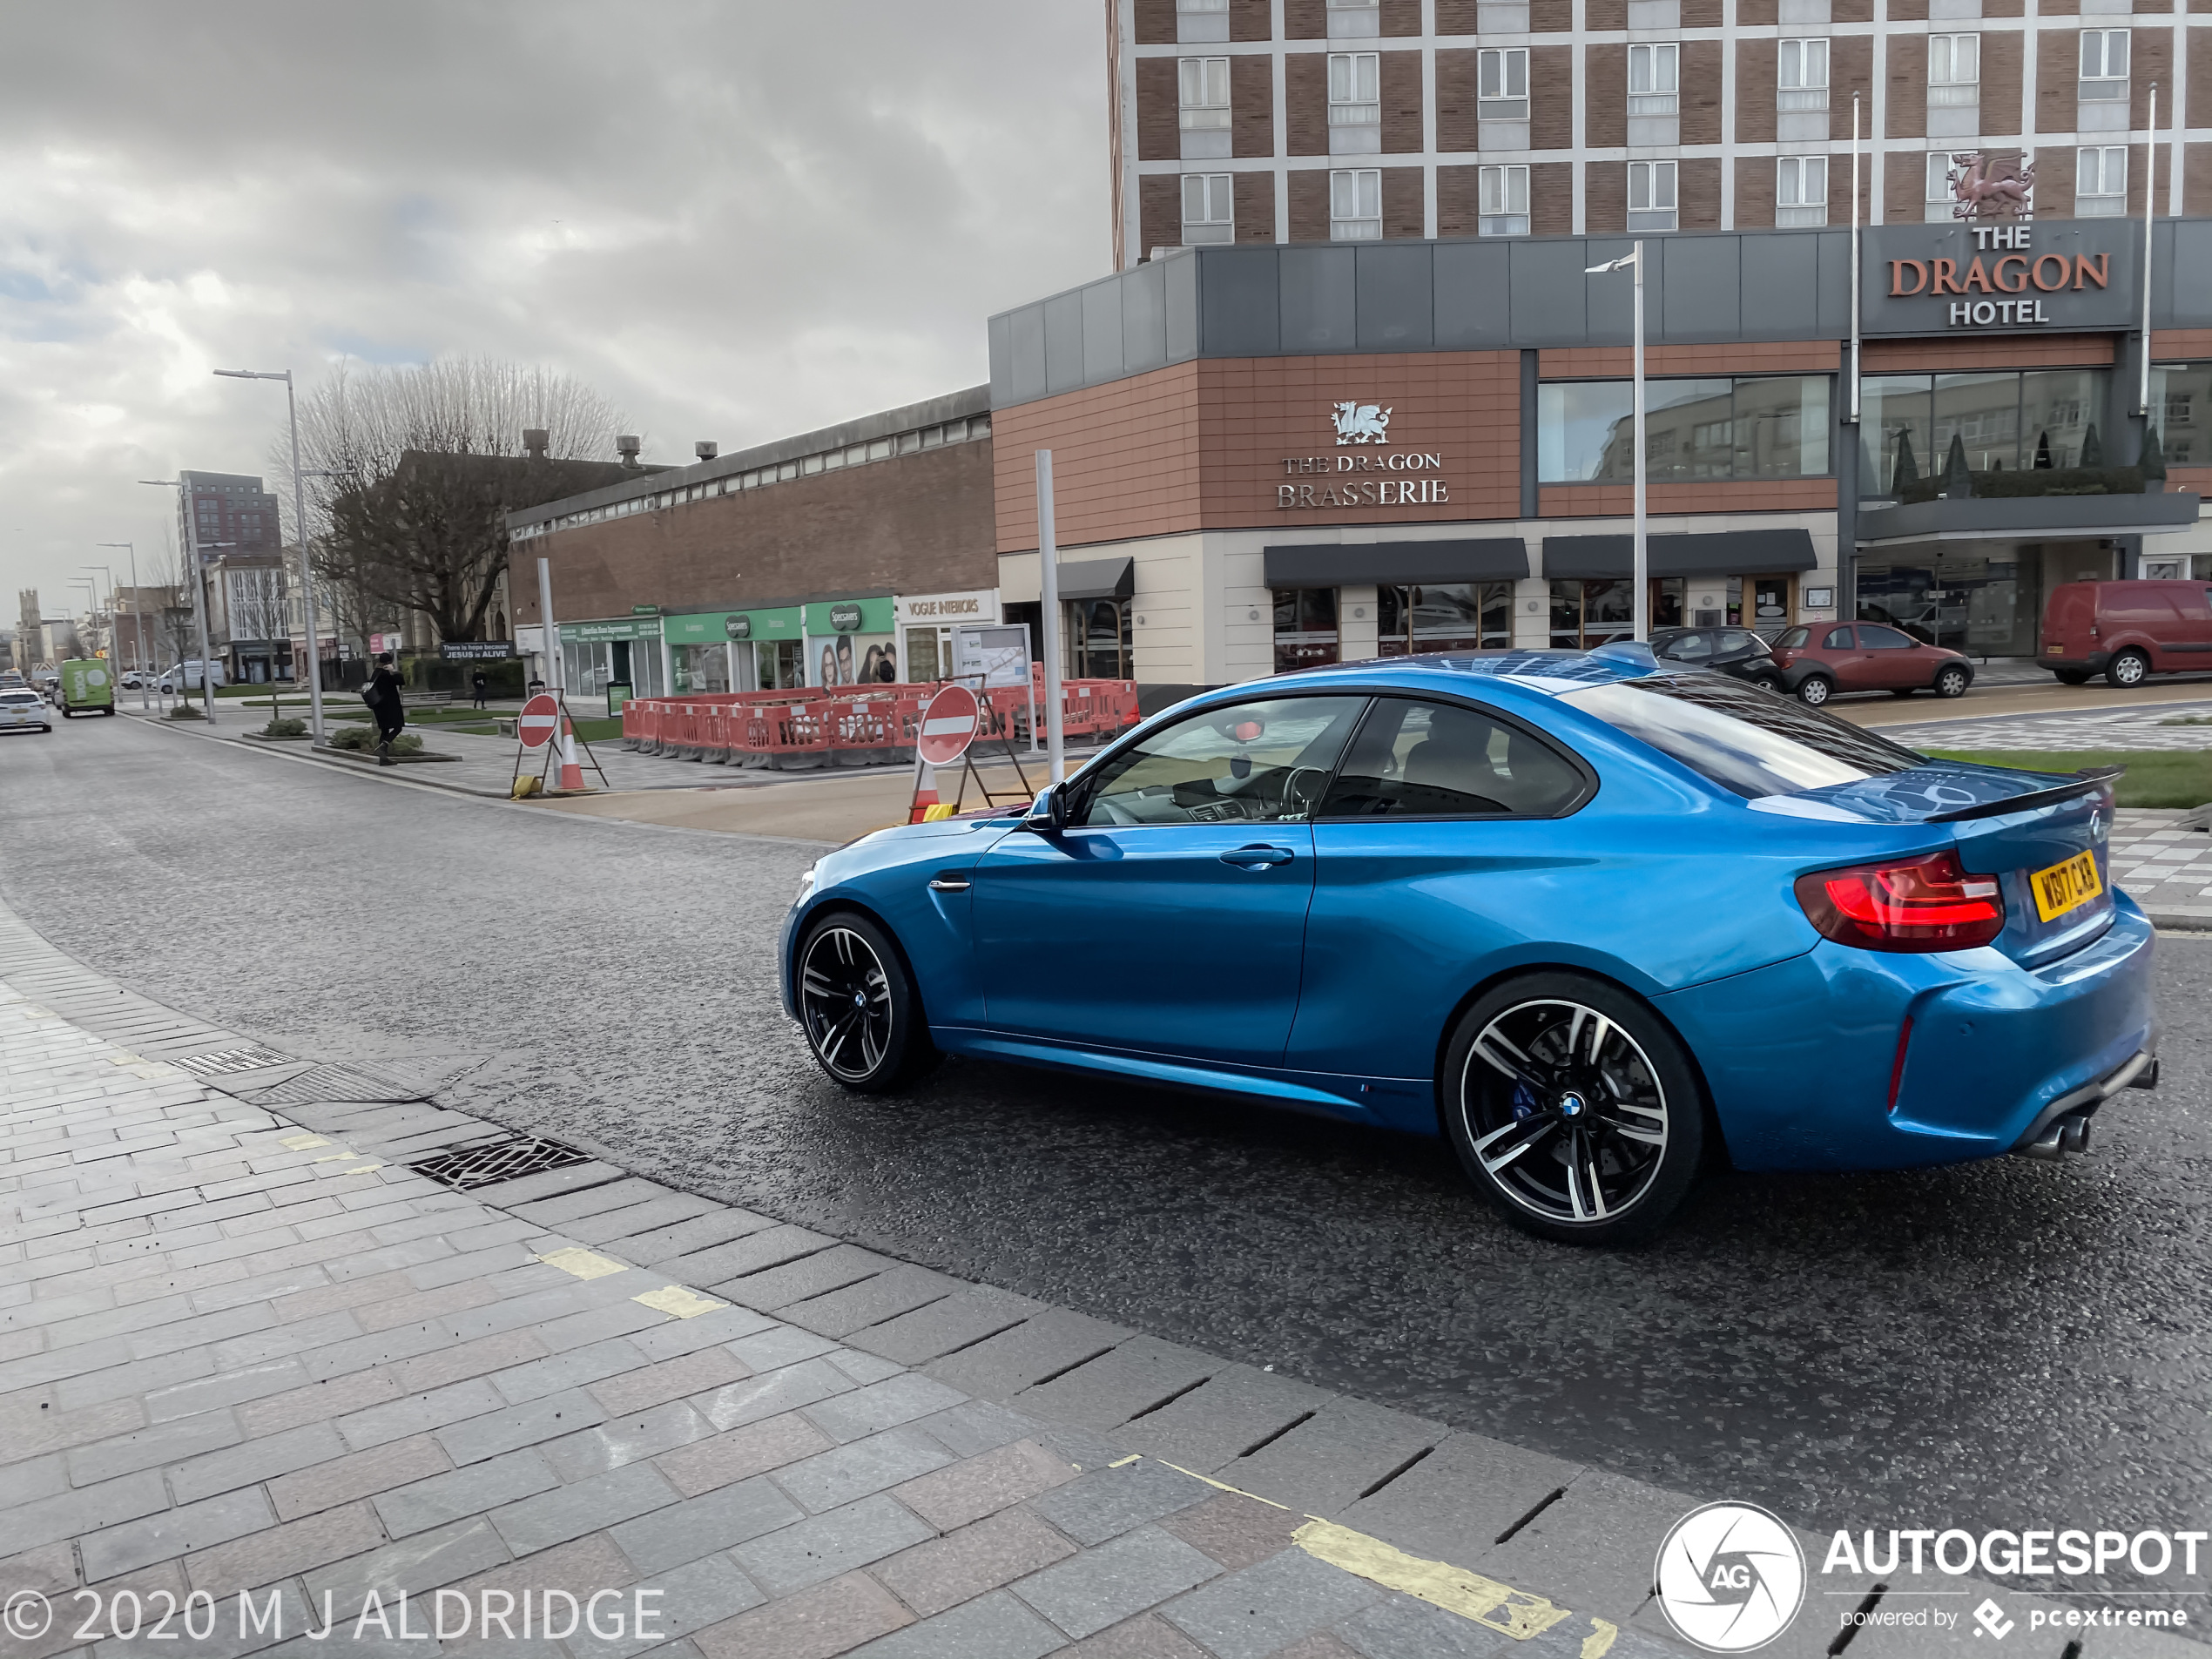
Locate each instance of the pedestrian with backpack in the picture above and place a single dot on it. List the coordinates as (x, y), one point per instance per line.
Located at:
(382, 695)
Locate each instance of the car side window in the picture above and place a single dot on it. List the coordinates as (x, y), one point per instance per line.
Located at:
(1877, 639)
(1838, 639)
(1737, 641)
(1261, 762)
(1417, 759)
(1690, 648)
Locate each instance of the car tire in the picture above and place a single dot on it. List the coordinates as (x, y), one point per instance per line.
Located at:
(871, 1046)
(1527, 1063)
(2127, 670)
(1903, 691)
(1815, 690)
(1952, 680)
(2071, 675)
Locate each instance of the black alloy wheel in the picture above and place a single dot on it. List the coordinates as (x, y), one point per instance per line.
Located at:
(2127, 670)
(1574, 1108)
(858, 1005)
(1815, 689)
(1952, 680)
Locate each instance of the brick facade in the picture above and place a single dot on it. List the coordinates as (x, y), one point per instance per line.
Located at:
(1251, 105)
(1255, 207)
(1457, 126)
(1401, 103)
(1309, 203)
(917, 524)
(1551, 97)
(1251, 20)
(1700, 99)
(1697, 192)
(1756, 69)
(1908, 88)
(1404, 212)
(2001, 50)
(1605, 97)
(1306, 103)
(1159, 114)
(1159, 198)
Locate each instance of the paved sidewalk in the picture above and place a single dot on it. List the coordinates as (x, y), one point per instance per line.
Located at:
(2144, 726)
(240, 1358)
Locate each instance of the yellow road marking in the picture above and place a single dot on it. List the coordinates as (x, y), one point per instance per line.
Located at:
(301, 1142)
(584, 1264)
(1599, 1642)
(1494, 1606)
(675, 1299)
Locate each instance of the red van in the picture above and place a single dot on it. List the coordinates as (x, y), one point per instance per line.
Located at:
(2127, 630)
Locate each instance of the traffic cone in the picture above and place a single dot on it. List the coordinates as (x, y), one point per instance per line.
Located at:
(925, 792)
(571, 773)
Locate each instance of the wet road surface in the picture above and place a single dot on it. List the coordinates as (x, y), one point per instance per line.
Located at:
(2001, 1345)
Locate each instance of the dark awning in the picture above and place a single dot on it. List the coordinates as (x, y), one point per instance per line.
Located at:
(1359, 565)
(2027, 518)
(1709, 553)
(1097, 579)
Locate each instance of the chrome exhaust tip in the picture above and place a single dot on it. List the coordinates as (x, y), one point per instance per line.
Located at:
(2074, 1135)
(2049, 1147)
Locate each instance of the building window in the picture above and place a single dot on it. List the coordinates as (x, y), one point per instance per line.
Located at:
(1954, 70)
(1767, 426)
(1097, 636)
(1306, 628)
(1801, 190)
(1443, 615)
(1354, 19)
(1801, 75)
(1205, 94)
(1505, 200)
(1503, 82)
(2104, 64)
(1942, 195)
(1588, 614)
(2039, 418)
(1207, 216)
(1651, 195)
(2182, 402)
(2100, 181)
(1201, 20)
(1355, 204)
(1354, 95)
(1654, 78)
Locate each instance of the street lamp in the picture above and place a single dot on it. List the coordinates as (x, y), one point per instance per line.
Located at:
(299, 529)
(114, 640)
(91, 604)
(1642, 612)
(138, 622)
(199, 601)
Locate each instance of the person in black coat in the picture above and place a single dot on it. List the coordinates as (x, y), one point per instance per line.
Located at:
(382, 695)
(480, 683)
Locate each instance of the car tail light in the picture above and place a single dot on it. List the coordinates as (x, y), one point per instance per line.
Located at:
(1921, 904)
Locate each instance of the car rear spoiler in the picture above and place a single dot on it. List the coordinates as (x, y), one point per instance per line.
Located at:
(2090, 779)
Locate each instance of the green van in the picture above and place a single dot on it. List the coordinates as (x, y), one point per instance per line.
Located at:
(87, 684)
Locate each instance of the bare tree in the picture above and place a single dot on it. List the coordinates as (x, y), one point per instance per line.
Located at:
(413, 470)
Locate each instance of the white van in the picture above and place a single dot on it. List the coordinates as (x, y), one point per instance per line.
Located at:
(186, 674)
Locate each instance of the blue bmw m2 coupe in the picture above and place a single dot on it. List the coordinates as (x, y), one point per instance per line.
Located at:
(1592, 917)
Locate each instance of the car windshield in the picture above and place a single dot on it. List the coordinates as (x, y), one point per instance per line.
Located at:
(1742, 737)
(18, 697)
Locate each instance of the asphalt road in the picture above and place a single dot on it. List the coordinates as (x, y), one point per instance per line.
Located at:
(2001, 1345)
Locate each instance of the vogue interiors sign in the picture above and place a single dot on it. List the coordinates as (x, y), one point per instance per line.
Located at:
(2002, 275)
(1360, 468)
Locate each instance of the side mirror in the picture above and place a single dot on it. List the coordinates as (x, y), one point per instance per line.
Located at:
(1048, 812)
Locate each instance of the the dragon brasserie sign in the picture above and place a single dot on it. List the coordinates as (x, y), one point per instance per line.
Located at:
(1350, 480)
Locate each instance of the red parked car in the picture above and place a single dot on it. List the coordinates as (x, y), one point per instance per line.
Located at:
(1820, 659)
(2126, 630)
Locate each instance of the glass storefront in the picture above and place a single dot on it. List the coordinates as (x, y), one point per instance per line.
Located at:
(1098, 640)
(591, 665)
(1984, 605)
(2181, 398)
(1444, 616)
(2040, 418)
(698, 668)
(1591, 613)
(1306, 628)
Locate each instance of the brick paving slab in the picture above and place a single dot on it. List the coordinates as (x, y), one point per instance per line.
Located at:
(226, 1363)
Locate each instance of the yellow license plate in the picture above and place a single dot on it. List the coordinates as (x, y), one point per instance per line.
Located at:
(2065, 886)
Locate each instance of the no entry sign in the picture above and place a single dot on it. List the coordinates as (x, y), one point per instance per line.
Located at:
(540, 720)
(947, 726)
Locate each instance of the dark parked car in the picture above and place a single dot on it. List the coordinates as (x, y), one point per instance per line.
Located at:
(1727, 651)
(1826, 658)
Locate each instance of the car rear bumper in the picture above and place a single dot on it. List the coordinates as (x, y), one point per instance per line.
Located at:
(1801, 1057)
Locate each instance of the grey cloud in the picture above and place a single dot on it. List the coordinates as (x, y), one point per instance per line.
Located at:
(735, 219)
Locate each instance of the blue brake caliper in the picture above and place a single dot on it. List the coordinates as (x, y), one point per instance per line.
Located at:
(1524, 1100)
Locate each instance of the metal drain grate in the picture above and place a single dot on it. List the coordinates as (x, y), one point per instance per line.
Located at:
(489, 1162)
(223, 1062)
(320, 1083)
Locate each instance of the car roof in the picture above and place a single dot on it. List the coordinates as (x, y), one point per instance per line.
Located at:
(1536, 673)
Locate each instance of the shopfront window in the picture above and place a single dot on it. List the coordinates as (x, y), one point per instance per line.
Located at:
(2039, 418)
(1766, 427)
(1454, 616)
(591, 665)
(1985, 606)
(1306, 628)
(1585, 614)
(1098, 632)
(698, 668)
(2182, 403)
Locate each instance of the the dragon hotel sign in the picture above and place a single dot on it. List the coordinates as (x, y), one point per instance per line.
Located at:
(2001, 274)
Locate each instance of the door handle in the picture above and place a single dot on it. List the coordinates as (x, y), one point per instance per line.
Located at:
(1256, 857)
(949, 884)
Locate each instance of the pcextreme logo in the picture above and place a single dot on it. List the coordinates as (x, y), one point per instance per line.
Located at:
(1730, 1577)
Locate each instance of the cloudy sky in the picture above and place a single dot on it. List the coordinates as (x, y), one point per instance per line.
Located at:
(736, 218)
